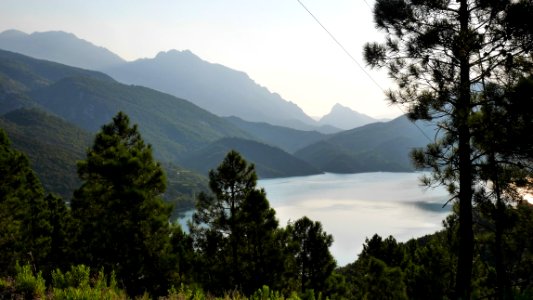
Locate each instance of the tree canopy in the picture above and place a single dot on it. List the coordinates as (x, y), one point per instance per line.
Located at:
(24, 214)
(123, 221)
(442, 55)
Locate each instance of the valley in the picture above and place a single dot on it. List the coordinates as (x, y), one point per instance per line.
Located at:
(70, 103)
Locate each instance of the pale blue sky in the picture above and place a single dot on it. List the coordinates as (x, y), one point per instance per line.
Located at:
(275, 41)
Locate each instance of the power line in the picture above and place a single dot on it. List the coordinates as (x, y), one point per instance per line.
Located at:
(340, 45)
(368, 5)
(355, 60)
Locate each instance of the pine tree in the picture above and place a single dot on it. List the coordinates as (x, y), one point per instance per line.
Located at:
(314, 262)
(234, 230)
(122, 219)
(24, 226)
(441, 54)
(264, 258)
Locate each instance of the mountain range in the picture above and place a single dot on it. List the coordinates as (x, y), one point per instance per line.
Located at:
(88, 99)
(69, 104)
(59, 46)
(216, 88)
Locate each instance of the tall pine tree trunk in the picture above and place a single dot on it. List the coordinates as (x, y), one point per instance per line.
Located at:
(502, 284)
(466, 235)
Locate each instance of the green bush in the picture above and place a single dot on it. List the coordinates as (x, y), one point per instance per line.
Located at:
(76, 284)
(78, 277)
(265, 293)
(29, 285)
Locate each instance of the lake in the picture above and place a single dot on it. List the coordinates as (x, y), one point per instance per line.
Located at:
(352, 207)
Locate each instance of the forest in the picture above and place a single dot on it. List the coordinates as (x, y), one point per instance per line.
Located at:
(465, 66)
(114, 240)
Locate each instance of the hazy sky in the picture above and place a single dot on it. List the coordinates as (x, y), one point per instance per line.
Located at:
(275, 41)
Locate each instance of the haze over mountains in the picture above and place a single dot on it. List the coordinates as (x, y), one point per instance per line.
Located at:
(60, 47)
(219, 89)
(345, 118)
(214, 87)
(57, 107)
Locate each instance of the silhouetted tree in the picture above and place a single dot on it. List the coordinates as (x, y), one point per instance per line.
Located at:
(314, 263)
(25, 230)
(123, 221)
(439, 53)
(235, 230)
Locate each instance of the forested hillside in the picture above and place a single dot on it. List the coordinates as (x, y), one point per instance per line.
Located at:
(284, 138)
(54, 146)
(381, 146)
(269, 161)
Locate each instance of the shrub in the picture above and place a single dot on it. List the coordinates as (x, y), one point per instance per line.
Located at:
(29, 285)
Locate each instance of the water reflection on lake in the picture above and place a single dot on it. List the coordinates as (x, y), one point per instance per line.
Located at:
(352, 207)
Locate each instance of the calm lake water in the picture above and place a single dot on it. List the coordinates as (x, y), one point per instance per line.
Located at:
(352, 207)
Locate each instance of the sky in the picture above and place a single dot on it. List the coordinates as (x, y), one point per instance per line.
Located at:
(276, 42)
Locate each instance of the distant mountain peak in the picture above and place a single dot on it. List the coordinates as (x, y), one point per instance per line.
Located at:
(173, 55)
(345, 118)
(59, 46)
(341, 108)
(56, 33)
(11, 33)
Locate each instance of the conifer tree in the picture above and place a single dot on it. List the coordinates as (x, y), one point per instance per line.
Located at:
(441, 53)
(24, 226)
(263, 256)
(123, 221)
(234, 230)
(61, 222)
(314, 262)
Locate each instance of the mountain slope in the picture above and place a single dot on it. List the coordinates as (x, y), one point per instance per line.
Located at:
(60, 47)
(345, 118)
(219, 89)
(90, 99)
(53, 147)
(287, 139)
(214, 87)
(30, 73)
(269, 161)
(174, 126)
(383, 146)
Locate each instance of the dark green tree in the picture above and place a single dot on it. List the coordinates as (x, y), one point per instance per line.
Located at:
(383, 282)
(314, 263)
(24, 225)
(122, 219)
(429, 271)
(60, 247)
(440, 53)
(388, 250)
(235, 230)
(264, 258)
(503, 133)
